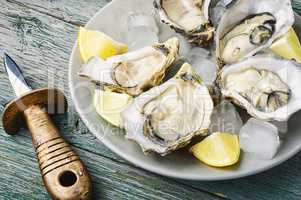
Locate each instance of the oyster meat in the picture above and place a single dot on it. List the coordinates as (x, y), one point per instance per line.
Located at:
(268, 88)
(264, 89)
(247, 28)
(167, 117)
(133, 72)
(187, 17)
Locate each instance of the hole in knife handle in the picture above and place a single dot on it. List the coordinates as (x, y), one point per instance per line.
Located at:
(67, 178)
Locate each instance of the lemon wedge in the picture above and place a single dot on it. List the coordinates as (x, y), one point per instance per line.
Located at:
(288, 46)
(109, 105)
(95, 43)
(218, 150)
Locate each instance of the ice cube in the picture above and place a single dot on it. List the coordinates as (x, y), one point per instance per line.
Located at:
(184, 46)
(198, 53)
(217, 13)
(166, 33)
(282, 127)
(218, 10)
(259, 138)
(135, 20)
(225, 118)
(140, 37)
(202, 61)
(141, 30)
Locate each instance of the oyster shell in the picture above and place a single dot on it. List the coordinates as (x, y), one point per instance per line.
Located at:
(133, 72)
(167, 117)
(187, 17)
(247, 28)
(268, 88)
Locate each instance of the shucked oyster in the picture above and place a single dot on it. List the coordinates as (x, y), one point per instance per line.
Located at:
(245, 37)
(166, 117)
(262, 88)
(247, 28)
(188, 17)
(268, 88)
(133, 72)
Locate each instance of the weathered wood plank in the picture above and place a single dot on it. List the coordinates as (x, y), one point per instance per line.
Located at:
(36, 39)
(297, 5)
(282, 182)
(46, 44)
(72, 11)
(111, 180)
(79, 11)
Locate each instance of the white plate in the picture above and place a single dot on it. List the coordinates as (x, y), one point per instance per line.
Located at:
(180, 164)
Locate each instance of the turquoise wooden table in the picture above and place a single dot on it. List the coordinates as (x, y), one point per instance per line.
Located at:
(39, 34)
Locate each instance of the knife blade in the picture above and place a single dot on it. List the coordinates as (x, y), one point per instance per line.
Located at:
(16, 77)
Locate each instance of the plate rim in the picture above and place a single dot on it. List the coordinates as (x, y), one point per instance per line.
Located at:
(140, 164)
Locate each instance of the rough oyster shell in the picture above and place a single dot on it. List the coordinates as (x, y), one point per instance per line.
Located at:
(187, 17)
(248, 27)
(133, 72)
(279, 89)
(167, 117)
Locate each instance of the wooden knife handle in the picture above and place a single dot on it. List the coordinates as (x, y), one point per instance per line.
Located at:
(64, 174)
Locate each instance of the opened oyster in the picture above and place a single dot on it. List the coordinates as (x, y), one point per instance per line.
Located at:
(133, 72)
(268, 88)
(187, 17)
(247, 28)
(167, 117)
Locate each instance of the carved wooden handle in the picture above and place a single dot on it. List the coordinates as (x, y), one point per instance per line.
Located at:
(64, 174)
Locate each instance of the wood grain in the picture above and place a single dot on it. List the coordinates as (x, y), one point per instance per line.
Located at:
(111, 180)
(72, 11)
(35, 39)
(39, 34)
(64, 174)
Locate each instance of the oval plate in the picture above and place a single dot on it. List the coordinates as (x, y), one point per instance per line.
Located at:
(179, 164)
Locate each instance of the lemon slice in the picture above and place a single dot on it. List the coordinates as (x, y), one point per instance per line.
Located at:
(288, 46)
(95, 43)
(109, 105)
(218, 150)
